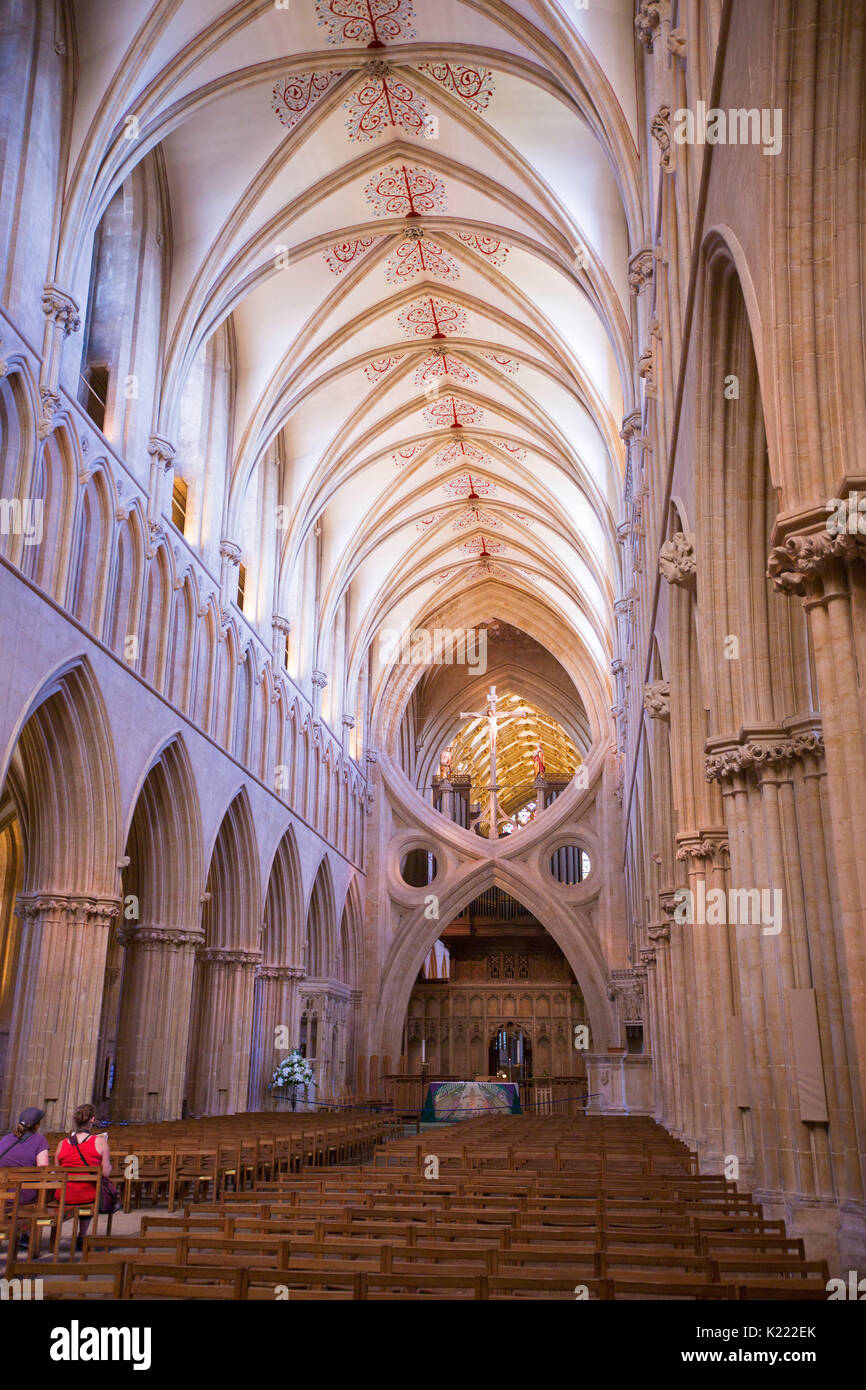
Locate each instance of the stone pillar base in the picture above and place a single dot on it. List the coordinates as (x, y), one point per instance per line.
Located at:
(829, 1232)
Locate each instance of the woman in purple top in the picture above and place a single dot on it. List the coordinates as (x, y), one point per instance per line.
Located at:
(25, 1148)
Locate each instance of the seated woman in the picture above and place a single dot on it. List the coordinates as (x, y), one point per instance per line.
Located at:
(84, 1149)
(25, 1148)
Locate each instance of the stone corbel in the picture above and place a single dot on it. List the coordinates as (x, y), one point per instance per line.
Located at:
(648, 21)
(640, 270)
(657, 700)
(660, 128)
(162, 455)
(677, 562)
(61, 319)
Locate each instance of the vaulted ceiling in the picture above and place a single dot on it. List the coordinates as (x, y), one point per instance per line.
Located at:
(418, 217)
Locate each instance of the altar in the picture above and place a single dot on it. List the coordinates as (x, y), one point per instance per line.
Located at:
(466, 1100)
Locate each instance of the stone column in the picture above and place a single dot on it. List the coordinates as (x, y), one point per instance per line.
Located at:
(225, 1004)
(821, 567)
(154, 1028)
(277, 1008)
(718, 1133)
(61, 319)
(659, 934)
(58, 1002)
(161, 462)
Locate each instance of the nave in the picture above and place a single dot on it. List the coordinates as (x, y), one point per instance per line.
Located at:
(547, 1208)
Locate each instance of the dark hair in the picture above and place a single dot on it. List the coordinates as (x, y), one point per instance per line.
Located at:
(83, 1115)
(21, 1130)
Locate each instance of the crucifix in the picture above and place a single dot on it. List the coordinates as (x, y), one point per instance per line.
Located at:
(494, 719)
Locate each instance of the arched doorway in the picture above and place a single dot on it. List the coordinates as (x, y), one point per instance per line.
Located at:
(509, 1000)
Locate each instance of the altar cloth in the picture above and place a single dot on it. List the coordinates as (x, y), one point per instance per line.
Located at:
(465, 1100)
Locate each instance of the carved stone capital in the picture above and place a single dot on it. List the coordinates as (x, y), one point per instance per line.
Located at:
(702, 846)
(659, 933)
(657, 700)
(640, 270)
(647, 957)
(159, 938)
(648, 20)
(223, 957)
(161, 451)
(677, 562)
(59, 306)
(231, 551)
(753, 754)
(283, 973)
(79, 907)
(281, 624)
(801, 558)
(677, 42)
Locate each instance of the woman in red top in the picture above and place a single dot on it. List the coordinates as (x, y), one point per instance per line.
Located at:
(84, 1149)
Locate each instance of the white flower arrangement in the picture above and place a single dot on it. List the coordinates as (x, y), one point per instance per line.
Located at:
(293, 1070)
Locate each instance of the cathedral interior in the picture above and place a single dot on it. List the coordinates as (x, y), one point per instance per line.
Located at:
(426, 638)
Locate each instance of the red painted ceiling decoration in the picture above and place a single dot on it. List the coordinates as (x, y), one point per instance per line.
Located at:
(474, 85)
(482, 545)
(384, 102)
(506, 364)
(345, 253)
(419, 254)
(375, 370)
(427, 521)
(461, 451)
(405, 190)
(494, 251)
(294, 96)
(405, 455)
(432, 317)
(516, 451)
(370, 22)
(476, 516)
(469, 485)
(522, 517)
(454, 413)
(442, 364)
(447, 574)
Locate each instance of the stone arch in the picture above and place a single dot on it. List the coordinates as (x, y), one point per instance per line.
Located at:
(155, 619)
(121, 619)
(321, 924)
(569, 926)
(91, 553)
(148, 990)
(52, 490)
(17, 450)
(223, 990)
(63, 759)
(276, 1003)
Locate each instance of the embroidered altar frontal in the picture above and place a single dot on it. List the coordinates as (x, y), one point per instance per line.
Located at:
(464, 1100)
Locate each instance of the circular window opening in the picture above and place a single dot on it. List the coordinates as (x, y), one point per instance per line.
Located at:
(418, 867)
(570, 864)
